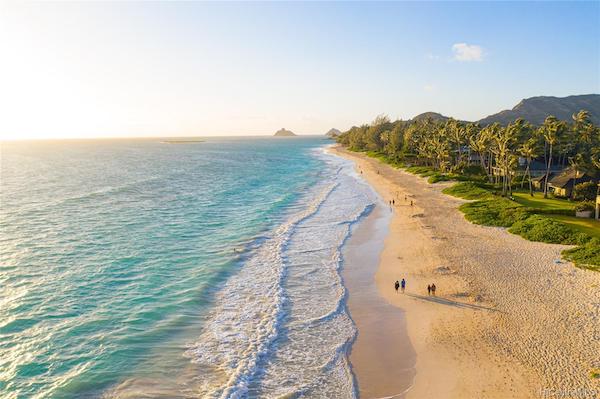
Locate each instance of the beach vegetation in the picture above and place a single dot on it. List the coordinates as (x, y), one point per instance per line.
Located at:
(468, 190)
(544, 229)
(586, 256)
(585, 206)
(492, 165)
(499, 212)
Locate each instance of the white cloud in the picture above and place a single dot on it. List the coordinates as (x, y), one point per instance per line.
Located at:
(467, 52)
(432, 57)
(429, 88)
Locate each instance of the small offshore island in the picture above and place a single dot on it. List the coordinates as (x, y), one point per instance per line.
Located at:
(284, 133)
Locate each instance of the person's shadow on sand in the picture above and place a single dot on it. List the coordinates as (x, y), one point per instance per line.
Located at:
(448, 302)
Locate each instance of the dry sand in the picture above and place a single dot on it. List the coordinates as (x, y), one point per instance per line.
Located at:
(508, 321)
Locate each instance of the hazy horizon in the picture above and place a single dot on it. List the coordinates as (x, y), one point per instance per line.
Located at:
(110, 70)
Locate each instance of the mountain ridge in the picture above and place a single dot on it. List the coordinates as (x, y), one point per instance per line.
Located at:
(536, 109)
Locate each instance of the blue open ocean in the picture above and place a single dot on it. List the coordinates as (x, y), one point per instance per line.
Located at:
(144, 268)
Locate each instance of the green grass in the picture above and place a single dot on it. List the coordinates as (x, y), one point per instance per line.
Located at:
(590, 227)
(468, 190)
(544, 204)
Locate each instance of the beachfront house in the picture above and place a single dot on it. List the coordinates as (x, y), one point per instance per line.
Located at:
(562, 184)
(538, 182)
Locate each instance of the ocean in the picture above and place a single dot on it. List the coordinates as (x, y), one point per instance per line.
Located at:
(147, 268)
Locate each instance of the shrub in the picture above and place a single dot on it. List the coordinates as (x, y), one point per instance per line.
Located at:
(585, 191)
(585, 206)
(586, 256)
(566, 212)
(474, 170)
(467, 190)
(539, 228)
(423, 171)
(498, 212)
(438, 177)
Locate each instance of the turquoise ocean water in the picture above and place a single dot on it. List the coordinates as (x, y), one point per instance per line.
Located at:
(141, 268)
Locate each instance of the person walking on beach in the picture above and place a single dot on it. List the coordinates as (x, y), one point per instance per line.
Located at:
(428, 289)
(433, 289)
(411, 203)
(403, 285)
(393, 202)
(396, 285)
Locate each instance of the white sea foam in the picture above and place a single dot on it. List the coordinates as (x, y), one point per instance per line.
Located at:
(280, 327)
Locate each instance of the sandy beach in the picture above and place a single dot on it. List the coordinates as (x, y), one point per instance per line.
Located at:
(510, 320)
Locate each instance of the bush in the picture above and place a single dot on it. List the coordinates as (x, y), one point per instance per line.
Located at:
(565, 212)
(474, 170)
(586, 256)
(539, 228)
(423, 171)
(467, 190)
(438, 177)
(585, 191)
(498, 212)
(585, 206)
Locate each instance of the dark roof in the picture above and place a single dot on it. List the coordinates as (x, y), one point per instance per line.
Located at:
(567, 179)
(543, 177)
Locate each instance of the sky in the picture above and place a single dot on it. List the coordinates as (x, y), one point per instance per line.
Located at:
(116, 69)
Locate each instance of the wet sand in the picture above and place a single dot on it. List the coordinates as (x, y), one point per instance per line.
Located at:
(382, 356)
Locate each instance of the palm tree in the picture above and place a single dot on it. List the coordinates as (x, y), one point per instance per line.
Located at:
(530, 150)
(479, 141)
(551, 130)
(582, 138)
(455, 131)
(508, 139)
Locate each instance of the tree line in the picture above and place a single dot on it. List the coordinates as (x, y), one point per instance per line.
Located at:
(452, 146)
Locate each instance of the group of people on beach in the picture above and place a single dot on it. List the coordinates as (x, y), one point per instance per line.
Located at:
(431, 289)
(402, 285)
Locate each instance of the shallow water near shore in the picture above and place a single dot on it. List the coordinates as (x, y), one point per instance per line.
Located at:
(138, 268)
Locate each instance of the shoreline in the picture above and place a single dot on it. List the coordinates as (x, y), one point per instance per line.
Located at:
(480, 336)
(381, 356)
